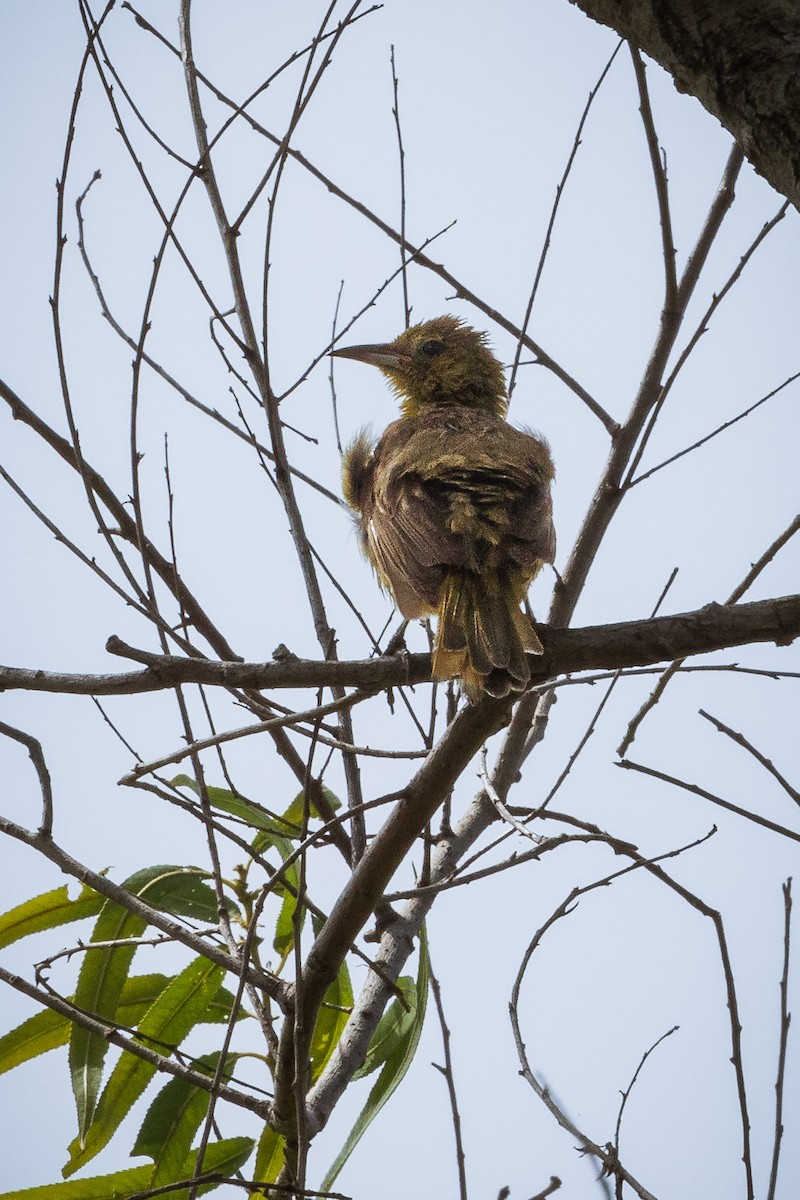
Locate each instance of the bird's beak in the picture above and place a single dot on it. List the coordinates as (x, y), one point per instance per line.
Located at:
(386, 356)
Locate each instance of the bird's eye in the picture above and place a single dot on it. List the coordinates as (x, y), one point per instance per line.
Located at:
(432, 348)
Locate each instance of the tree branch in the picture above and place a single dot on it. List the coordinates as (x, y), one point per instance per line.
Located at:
(591, 648)
(740, 60)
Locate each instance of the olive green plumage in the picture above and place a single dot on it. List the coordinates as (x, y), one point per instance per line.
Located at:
(453, 503)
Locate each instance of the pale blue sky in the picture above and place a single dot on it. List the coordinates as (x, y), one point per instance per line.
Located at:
(490, 96)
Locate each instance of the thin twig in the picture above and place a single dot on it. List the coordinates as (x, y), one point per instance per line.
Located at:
(741, 740)
(659, 170)
(786, 1018)
(736, 595)
(626, 1094)
(447, 1072)
(401, 154)
(552, 221)
(652, 865)
(331, 380)
(232, 735)
(36, 753)
(693, 788)
(502, 811)
(700, 329)
(667, 462)
(553, 1186)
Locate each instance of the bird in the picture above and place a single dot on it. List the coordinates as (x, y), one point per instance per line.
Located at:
(453, 504)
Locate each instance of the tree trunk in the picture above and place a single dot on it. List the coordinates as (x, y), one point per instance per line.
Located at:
(740, 58)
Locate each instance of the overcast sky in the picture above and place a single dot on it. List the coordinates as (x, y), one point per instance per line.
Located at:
(490, 99)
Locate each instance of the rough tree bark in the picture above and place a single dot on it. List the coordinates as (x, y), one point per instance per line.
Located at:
(740, 58)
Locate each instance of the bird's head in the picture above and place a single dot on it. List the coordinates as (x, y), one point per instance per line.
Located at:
(442, 361)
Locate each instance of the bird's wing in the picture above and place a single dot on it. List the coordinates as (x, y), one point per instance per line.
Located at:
(497, 480)
(409, 545)
(472, 493)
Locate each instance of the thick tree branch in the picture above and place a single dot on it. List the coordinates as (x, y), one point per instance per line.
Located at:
(592, 648)
(739, 59)
(437, 776)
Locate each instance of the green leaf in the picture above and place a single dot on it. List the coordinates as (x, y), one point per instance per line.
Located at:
(284, 926)
(222, 1158)
(266, 840)
(179, 890)
(269, 1157)
(288, 825)
(293, 817)
(48, 1030)
(219, 1010)
(236, 806)
(394, 1069)
(47, 911)
(392, 1028)
(331, 1021)
(183, 892)
(174, 1013)
(174, 1118)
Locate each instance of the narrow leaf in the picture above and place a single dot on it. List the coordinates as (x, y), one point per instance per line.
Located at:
(283, 940)
(173, 1119)
(293, 817)
(269, 1157)
(47, 911)
(179, 890)
(222, 1158)
(48, 1030)
(168, 1020)
(284, 926)
(392, 1028)
(236, 806)
(393, 1070)
(288, 825)
(333, 1016)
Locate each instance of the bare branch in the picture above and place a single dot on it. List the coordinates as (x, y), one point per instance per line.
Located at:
(112, 891)
(741, 740)
(735, 596)
(34, 748)
(659, 178)
(447, 1071)
(786, 1018)
(593, 647)
(609, 493)
(629, 765)
(560, 186)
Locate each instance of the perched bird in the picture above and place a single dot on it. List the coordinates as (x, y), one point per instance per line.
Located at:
(453, 504)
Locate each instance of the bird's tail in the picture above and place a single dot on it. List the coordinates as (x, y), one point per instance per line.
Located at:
(483, 635)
